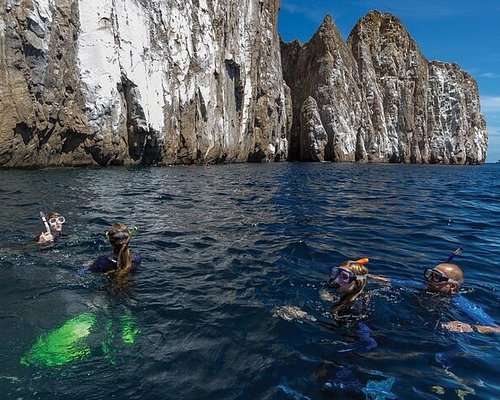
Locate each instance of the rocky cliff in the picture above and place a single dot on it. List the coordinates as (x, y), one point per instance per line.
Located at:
(91, 82)
(377, 98)
(134, 81)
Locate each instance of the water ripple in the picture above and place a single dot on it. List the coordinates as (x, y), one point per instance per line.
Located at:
(225, 247)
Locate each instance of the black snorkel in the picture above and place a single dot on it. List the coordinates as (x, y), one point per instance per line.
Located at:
(457, 252)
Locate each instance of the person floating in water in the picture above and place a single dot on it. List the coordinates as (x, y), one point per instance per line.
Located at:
(122, 261)
(53, 222)
(349, 280)
(446, 278)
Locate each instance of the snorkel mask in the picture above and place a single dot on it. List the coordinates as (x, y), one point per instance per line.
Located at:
(340, 276)
(436, 276)
(59, 220)
(121, 237)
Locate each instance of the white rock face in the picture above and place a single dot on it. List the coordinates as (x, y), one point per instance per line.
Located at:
(87, 82)
(380, 100)
(456, 127)
(136, 81)
(313, 136)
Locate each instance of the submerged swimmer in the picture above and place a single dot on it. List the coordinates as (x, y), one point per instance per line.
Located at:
(122, 261)
(446, 278)
(349, 280)
(53, 222)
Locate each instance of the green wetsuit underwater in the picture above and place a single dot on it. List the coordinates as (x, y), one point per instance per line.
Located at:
(68, 343)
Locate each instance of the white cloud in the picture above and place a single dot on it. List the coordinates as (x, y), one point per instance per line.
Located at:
(490, 104)
(316, 14)
(489, 75)
(493, 153)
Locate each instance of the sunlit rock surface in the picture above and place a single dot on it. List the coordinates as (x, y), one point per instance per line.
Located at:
(87, 82)
(380, 100)
(136, 81)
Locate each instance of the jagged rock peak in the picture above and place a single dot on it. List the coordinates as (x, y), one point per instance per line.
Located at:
(379, 99)
(327, 112)
(327, 24)
(377, 26)
(377, 18)
(326, 32)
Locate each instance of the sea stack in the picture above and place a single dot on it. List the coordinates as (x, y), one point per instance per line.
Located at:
(380, 100)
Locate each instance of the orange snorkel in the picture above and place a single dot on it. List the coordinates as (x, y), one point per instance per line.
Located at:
(363, 261)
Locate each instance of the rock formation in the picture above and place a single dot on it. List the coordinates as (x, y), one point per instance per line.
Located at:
(133, 81)
(91, 82)
(379, 99)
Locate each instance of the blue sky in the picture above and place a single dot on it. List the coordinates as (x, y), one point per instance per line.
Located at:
(463, 31)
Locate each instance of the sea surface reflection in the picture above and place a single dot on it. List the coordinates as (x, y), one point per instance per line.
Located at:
(226, 249)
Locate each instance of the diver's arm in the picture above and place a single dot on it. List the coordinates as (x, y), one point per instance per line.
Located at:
(487, 329)
(462, 327)
(99, 265)
(483, 323)
(473, 311)
(397, 282)
(364, 333)
(136, 260)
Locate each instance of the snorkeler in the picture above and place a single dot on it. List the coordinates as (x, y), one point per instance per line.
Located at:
(446, 278)
(122, 261)
(53, 222)
(349, 280)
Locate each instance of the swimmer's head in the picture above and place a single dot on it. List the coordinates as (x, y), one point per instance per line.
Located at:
(118, 235)
(55, 221)
(349, 277)
(444, 278)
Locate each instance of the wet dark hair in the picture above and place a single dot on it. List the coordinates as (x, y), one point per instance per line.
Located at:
(119, 237)
(52, 214)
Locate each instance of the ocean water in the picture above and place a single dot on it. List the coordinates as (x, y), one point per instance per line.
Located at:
(231, 255)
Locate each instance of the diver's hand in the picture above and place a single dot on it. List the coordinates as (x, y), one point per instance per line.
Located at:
(458, 327)
(45, 238)
(484, 329)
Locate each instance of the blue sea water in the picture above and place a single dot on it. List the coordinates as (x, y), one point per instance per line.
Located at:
(226, 249)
